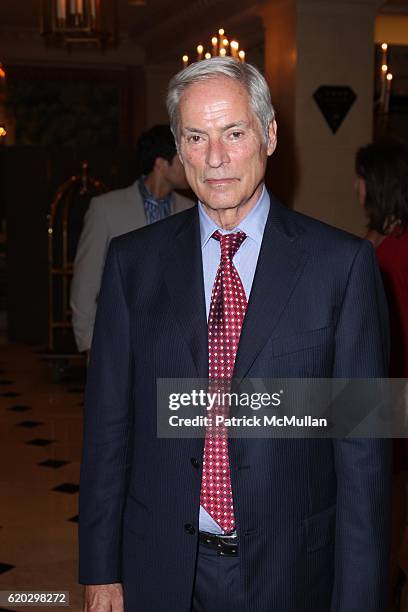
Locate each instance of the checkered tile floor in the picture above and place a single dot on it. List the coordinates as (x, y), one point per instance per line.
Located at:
(40, 428)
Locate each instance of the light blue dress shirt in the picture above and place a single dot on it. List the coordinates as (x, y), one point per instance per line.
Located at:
(245, 261)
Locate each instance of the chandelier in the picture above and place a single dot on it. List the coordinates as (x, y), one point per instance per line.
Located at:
(69, 23)
(220, 46)
(386, 78)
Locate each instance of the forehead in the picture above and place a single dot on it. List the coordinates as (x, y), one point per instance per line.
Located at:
(214, 96)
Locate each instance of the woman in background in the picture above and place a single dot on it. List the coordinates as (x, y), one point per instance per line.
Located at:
(382, 186)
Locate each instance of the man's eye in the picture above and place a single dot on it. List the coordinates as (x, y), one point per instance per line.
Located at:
(194, 138)
(236, 135)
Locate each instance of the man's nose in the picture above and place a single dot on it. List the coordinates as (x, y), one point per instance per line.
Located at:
(216, 154)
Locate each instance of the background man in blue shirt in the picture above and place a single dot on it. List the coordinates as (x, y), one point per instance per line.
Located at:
(150, 198)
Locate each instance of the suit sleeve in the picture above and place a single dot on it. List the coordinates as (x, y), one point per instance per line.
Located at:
(88, 267)
(363, 466)
(107, 432)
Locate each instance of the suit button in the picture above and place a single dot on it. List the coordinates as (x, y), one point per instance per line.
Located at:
(189, 528)
(195, 463)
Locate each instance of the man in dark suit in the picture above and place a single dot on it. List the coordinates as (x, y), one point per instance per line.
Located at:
(239, 285)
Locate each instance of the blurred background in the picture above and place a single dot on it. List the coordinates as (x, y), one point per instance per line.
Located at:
(68, 96)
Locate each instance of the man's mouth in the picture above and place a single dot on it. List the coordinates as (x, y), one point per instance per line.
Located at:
(219, 181)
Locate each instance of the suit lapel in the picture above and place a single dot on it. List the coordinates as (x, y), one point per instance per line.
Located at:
(279, 267)
(183, 271)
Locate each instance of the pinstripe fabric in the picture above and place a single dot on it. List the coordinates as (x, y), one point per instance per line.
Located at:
(312, 515)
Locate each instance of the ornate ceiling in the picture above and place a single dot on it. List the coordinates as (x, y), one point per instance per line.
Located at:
(169, 28)
(162, 27)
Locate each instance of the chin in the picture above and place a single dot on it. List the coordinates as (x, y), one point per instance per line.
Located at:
(220, 205)
(221, 200)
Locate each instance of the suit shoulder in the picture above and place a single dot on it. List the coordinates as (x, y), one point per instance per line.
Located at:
(150, 237)
(317, 234)
(116, 197)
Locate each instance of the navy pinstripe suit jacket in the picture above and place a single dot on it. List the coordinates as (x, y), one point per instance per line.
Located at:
(312, 515)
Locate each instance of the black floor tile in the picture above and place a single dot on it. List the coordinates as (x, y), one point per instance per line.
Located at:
(67, 487)
(40, 442)
(74, 519)
(29, 424)
(53, 463)
(11, 394)
(19, 408)
(5, 567)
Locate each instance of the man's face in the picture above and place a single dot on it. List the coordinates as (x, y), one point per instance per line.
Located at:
(221, 144)
(175, 174)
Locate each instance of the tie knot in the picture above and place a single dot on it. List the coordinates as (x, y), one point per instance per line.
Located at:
(229, 243)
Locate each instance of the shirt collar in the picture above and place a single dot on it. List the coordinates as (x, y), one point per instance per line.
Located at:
(148, 196)
(253, 225)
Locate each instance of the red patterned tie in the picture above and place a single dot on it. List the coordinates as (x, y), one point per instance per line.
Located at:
(227, 312)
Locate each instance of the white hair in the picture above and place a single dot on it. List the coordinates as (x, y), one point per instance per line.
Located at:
(246, 74)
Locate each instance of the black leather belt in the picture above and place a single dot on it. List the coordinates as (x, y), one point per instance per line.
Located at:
(226, 546)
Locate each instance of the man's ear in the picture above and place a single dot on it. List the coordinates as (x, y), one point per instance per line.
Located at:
(272, 137)
(160, 164)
